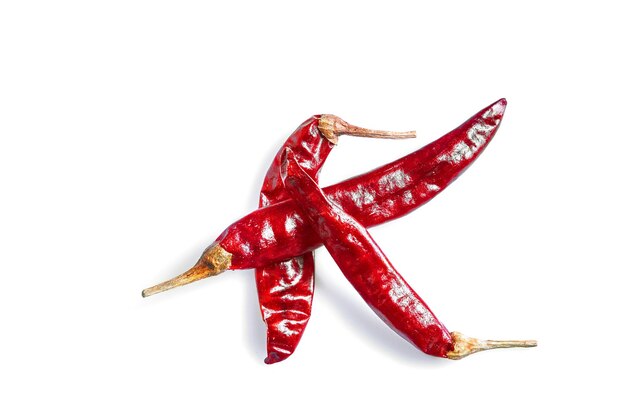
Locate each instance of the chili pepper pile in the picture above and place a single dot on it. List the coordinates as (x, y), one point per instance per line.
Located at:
(295, 216)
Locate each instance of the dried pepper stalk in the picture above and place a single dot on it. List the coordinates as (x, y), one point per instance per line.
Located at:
(279, 231)
(372, 275)
(285, 288)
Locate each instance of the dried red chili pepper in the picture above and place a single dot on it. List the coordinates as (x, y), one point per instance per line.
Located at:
(372, 275)
(285, 288)
(383, 194)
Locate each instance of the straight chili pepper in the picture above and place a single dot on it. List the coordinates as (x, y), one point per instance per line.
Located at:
(285, 288)
(372, 275)
(378, 196)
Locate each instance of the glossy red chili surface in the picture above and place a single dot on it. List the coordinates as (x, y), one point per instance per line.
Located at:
(366, 266)
(278, 231)
(310, 149)
(285, 288)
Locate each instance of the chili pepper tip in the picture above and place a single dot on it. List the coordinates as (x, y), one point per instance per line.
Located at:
(274, 357)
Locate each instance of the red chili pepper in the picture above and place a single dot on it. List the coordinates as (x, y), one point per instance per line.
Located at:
(383, 194)
(372, 275)
(285, 288)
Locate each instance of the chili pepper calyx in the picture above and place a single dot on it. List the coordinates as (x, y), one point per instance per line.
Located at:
(464, 345)
(214, 260)
(332, 127)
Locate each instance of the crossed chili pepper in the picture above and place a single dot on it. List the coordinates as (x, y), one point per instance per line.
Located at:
(295, 217)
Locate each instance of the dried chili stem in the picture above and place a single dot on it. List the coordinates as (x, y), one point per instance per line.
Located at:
(464, 345)
(332, 127)
(213, 261)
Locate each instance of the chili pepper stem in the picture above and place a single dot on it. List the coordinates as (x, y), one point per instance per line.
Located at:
(464, 345)
(332, 127)
(213, 261)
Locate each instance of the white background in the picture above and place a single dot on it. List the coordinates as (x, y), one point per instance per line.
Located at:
(133, 132)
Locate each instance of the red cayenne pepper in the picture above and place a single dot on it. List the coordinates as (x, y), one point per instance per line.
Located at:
(372, 275)
(378, 196)
(285, 288)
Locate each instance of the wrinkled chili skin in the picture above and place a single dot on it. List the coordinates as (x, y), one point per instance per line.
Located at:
(285, 288)
(366, 267)
(279, 231)
(311, 150)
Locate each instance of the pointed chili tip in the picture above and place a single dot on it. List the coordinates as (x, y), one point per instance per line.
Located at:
(275, 357)
(492, 115)
(498, 108)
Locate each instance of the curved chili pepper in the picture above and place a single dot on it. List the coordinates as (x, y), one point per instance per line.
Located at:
(378, 196)
(372, 275)
(285, 288)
